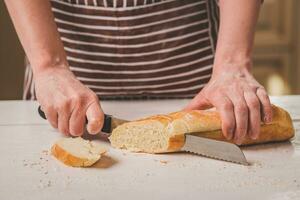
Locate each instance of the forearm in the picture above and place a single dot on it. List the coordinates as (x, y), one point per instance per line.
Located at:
(37, 31)
(236, 33)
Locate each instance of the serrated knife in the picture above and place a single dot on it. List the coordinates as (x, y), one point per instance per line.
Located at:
(194, 144)
(214, 149)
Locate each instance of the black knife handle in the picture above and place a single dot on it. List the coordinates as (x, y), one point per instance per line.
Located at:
(106, 126)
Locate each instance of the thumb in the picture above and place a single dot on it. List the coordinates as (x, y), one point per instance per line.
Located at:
(199, 102)
(95, 117)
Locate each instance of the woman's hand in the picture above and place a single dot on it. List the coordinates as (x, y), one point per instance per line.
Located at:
(67, 102)
(241, 101)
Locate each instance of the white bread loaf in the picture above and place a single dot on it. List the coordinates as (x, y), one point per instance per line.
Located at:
(165, 133)
(77, 152)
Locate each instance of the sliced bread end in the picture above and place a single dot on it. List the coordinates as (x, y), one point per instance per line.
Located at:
(77, 152)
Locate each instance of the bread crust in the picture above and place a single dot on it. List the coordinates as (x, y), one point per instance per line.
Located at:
(280, 129)
(72, 160)
(68, 158)
(205, 123)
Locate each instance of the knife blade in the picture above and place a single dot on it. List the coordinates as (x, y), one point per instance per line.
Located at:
(214, 149)
(110, 122)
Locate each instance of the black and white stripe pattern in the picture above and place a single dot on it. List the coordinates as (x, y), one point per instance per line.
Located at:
(137, 48)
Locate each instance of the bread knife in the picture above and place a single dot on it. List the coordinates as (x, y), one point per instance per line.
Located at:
(110, 122)
(194, 144)
(215, 149)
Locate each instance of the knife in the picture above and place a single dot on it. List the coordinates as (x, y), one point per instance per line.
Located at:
(215, 149)
(193, 144)
(110, 122)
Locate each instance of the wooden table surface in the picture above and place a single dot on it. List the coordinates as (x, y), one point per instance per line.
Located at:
(27, 171)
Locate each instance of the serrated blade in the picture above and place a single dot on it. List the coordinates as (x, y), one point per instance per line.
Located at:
(214, 149)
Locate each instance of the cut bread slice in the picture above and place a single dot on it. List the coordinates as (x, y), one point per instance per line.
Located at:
(166, 133)
(77, 152)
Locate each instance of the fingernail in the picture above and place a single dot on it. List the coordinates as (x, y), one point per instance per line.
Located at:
(228, 137)
(267, 119)
(77, 134)
(93, 130)
(238, 141)
(253, 136)
(229, 134)
(250, 134)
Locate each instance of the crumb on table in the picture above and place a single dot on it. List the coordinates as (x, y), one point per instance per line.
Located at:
(164, 161)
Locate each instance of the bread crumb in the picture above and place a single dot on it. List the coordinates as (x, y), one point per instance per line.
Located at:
(34, 164)
(164, 161)
(45, 152)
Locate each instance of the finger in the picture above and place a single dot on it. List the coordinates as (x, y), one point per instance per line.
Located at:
(225, 108)
(64, 113)
(198, 102)
(95, 118)
(77, 120)
(266, 105)
(241, 116)
(254, 114)
(51, 115)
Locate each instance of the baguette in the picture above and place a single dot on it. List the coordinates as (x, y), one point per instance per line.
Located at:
(77, 152)
(166, 133)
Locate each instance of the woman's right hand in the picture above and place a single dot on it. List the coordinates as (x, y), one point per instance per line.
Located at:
(67, 102)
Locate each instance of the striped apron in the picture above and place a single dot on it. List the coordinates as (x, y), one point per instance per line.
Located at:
(137, 49)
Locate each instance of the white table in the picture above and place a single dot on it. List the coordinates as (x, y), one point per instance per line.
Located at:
(27, 171)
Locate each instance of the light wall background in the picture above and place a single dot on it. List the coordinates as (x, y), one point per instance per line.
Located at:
(276, 57)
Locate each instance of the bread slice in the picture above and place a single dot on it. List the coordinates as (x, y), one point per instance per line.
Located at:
(77, 152)
(166, 133)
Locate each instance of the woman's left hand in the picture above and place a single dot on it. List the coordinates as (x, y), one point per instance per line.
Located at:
(241, 101)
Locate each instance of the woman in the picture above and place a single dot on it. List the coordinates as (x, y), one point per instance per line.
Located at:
(137, 49)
